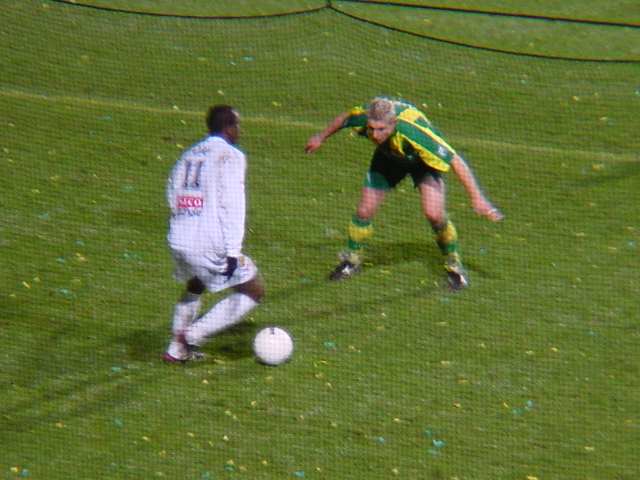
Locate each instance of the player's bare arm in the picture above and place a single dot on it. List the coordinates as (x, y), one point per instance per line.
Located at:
(480, 204)
(316, 141)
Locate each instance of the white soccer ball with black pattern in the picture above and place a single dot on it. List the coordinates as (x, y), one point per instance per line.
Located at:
(273, 346)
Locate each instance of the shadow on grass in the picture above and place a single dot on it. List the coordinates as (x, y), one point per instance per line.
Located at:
(76, 386)
(145, 345)
(429, 254)
(77, 390)
(236, 343)
(379, 256)
(613, 172)
(395, 253)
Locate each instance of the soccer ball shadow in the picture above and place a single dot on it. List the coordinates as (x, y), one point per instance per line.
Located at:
(235, 343)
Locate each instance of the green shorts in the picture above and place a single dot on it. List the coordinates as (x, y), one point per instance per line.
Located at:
(387, 170)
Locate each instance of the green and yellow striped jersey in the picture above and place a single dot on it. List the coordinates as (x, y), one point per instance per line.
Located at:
(414, 136)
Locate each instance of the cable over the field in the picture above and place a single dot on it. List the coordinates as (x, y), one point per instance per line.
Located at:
(332, 5)
(496, 13)
(190, 17)
(480, 47)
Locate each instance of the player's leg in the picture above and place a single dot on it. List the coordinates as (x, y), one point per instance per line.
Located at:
(382, 176)
(359, 232)
(433, 200)
(187, 307)
(248, 291)
(184, 313)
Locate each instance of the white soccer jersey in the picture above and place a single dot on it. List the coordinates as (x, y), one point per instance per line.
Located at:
(206, 194)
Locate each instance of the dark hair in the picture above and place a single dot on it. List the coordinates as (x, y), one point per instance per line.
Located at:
(221, 116)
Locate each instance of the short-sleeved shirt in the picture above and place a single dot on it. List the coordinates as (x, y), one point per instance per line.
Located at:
(414, 137)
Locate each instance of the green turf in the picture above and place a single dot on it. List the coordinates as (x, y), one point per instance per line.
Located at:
(626, 11)
(237, 8)
(530, 36)
(530, 373)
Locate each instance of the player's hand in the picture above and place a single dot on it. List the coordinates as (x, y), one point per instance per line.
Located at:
(313, 143)
(232, 264)
(485, 209)
(494, 214)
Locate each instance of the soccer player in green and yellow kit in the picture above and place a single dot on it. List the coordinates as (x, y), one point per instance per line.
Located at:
(406, 144)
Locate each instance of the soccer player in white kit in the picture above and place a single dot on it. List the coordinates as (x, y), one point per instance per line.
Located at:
(206, 194)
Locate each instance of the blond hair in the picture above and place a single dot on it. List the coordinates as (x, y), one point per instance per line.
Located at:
(382, 110)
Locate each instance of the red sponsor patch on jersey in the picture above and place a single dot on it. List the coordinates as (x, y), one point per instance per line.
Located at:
(190, 201)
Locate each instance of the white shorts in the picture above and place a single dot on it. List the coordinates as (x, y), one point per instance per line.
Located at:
(208, 268)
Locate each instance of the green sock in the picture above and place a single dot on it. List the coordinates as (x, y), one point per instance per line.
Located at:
(447, 238)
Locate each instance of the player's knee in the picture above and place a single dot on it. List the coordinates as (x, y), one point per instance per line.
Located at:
(195, 286)
(437, 221)
(258, 294)
(253, 288)
(365, 212)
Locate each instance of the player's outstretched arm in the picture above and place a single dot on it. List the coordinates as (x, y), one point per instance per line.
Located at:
(316, 141)
(480, 204)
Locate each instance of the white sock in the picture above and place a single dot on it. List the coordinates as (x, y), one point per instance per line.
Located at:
(177, 350)
(224, 314)
(184, 314)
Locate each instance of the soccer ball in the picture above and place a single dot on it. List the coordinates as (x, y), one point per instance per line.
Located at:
(273, 346)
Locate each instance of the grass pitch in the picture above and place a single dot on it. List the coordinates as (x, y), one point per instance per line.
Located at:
(532, 373)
